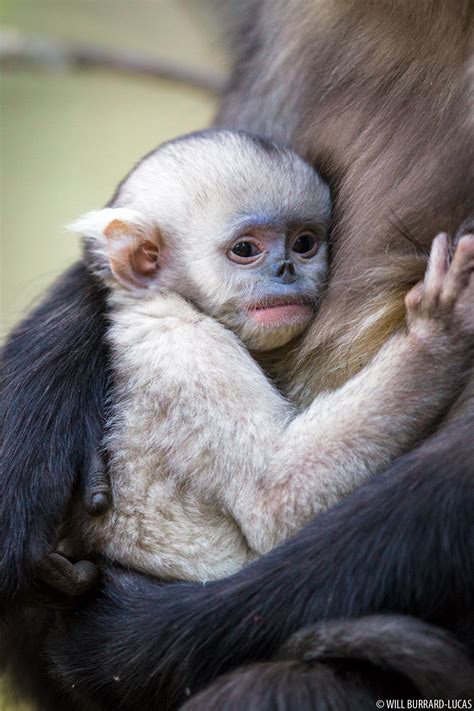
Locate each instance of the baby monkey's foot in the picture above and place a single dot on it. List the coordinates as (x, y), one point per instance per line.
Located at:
(443, 303)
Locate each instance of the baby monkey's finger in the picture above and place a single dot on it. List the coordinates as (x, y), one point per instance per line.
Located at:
(460, 270)
(467, 228)
(438, 266)
(96, 486)
(414, 296)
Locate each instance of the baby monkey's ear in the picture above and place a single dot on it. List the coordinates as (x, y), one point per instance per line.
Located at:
(126, 240)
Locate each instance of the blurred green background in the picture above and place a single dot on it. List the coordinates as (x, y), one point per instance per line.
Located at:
(67, 138)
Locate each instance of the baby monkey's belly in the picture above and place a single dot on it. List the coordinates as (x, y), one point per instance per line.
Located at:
(161, 528)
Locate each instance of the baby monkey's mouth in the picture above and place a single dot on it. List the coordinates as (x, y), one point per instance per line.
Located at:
(280, 312)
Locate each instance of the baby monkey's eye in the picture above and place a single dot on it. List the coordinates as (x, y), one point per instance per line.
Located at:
(306, 245)
(245, 249)
(244, 252)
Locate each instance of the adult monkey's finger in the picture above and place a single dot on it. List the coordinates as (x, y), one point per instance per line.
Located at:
(60, 583)
(96, 486)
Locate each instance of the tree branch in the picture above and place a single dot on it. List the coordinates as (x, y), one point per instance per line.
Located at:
(17, 49)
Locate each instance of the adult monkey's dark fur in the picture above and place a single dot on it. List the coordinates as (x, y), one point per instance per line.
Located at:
(381, 94)
(54, 381)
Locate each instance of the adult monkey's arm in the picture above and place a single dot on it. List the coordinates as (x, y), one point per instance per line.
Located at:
(54, 383)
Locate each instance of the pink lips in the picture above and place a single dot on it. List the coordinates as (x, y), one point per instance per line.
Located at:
(280, 314)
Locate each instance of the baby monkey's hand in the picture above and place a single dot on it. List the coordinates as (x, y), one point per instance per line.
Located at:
(442, 305)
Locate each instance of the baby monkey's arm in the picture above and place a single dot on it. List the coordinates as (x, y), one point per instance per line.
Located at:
(230, 435)
(347, 436)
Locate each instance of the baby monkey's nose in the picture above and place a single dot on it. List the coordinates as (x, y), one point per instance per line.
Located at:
(285, 272)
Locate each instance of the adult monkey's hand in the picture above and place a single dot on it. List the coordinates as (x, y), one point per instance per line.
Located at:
(53, 389)
(59, 582)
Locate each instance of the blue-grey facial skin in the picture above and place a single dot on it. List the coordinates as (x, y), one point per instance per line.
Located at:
(283, 260)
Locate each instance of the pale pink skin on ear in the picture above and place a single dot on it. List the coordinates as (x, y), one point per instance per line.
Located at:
(133, 258)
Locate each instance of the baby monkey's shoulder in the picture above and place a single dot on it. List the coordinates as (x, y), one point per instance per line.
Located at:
(163, 309)
(167, 322)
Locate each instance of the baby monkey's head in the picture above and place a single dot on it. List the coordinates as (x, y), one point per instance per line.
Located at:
(234, 223)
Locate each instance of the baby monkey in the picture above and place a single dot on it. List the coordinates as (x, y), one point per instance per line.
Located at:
(214, 251)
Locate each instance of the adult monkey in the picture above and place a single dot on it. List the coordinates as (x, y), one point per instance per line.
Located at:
(381, 95)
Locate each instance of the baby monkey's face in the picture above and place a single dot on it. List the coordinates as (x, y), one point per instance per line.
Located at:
(263, 280)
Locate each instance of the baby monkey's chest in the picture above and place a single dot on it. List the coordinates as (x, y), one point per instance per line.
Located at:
(162, 526)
